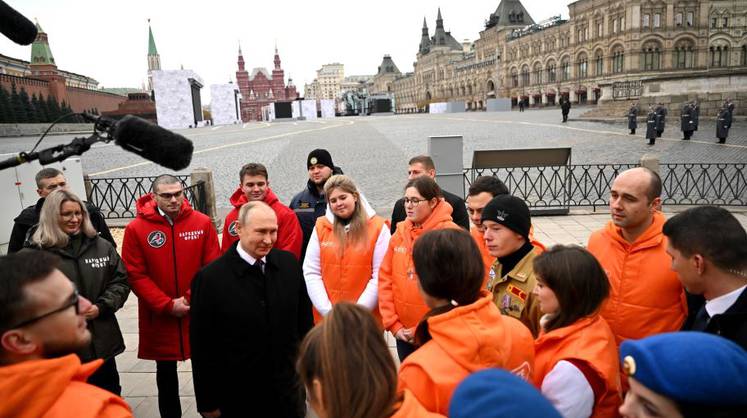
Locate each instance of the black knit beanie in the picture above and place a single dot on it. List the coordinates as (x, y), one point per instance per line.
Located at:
(319, 156)
(509, 211)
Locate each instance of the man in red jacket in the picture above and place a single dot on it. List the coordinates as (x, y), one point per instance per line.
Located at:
(163, 248)
(255, 186)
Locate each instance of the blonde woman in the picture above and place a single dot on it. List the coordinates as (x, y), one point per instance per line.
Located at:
(97, 271)
(345, 251)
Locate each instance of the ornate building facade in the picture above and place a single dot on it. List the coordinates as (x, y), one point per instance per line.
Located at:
(261, 88)
(327, 84)
(603, 42)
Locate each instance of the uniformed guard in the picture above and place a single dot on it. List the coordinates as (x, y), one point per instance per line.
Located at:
(633, 118)
(511, 279)
(651, 120)
(729, 105)
(661, 116)
(696, 114)
(687, 124)
(723, 123)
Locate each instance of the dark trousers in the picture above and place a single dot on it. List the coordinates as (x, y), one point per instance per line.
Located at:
(688, 134)
(652, 141)
(167, 381)
(107, 377)
(565, 117)
(632, 131)
(404, 349)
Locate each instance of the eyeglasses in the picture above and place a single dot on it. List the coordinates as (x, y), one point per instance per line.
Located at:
(169, 196)
(414, 201)
(73, 300)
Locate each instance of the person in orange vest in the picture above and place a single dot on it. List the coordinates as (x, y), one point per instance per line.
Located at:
(255, 186)
(480, 192)
(511, 278)
(348, 371)
(42, 326)
(345, 250)
(646, 297)
(684, 375)
(576, 365)
(464, 331)
(400, 302)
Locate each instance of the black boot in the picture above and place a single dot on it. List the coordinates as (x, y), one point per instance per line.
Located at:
(722, 140)
(651, 141)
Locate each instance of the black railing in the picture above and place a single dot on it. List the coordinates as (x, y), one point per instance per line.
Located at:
(116, 197)
(557, 187)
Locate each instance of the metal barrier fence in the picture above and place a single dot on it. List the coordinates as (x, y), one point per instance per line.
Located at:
(116, 197)
(551, 187)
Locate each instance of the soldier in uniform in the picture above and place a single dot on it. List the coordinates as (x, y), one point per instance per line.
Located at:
(565, 107)
(651, 120)
(687, 124)
(511, 279)
(696, 114)
(723, 123)
(661, 116)
(633, 118)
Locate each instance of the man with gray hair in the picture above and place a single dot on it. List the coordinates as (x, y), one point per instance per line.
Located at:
(250, 311)
(48, 180)
(163, 248)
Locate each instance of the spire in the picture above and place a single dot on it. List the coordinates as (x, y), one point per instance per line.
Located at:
(41, 53)
(439, 20)
(425, 40)
(240, 61)
(277, 58)
(151, 42)
(240, 54)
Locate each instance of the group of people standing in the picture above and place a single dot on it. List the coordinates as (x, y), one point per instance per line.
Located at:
(690, 119)
(487, 320)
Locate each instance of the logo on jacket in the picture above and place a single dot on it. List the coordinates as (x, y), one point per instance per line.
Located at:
(156, 239)
(232, 229)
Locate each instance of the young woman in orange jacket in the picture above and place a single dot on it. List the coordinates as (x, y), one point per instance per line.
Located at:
(345, 250)
(464, 331)
(348, 371)
(576, 359)
(400, 302)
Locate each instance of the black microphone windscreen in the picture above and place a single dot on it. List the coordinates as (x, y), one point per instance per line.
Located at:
(16, 27)
(153, 143)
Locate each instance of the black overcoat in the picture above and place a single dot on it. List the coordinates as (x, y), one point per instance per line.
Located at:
(687, 123)
(245, 330)
(723, 123)
(651, 120)
(633, 118)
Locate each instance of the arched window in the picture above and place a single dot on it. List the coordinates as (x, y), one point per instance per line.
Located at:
(651, 56)
(565, 69)
(719, 56)
(583, 65)
(551, 76)
(618, 60)
(514, 78)
(683, 54)
(599, 63)
(537, 73)
(525, 75)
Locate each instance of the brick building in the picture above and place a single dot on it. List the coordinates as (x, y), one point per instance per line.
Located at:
(41, 76)
(261, 88)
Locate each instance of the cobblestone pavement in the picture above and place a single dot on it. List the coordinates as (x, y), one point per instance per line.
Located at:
(139, 376)
(374, 150)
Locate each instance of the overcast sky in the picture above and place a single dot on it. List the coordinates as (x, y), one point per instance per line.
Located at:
(108, 40)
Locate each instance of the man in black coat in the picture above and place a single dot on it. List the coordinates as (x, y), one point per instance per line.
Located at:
(250, 311)
(708, 247)
(723, 123)
(651, 120)
(661, 116)
(687, 124)
(565, 107)
(422, 165)
(48, 180)
(633, 118)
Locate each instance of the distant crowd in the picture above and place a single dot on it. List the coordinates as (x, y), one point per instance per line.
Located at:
(287, 312)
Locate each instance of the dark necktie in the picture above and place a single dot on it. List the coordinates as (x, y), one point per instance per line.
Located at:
(260, 265)
(701, 320)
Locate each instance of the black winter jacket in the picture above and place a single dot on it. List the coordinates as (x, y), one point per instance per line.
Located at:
(732, 324)
(101, 277)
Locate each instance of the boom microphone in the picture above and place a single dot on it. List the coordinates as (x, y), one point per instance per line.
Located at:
(152, 142)
(16, 27)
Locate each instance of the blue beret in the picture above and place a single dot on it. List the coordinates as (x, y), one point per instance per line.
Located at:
(494, 393)
(689, 367)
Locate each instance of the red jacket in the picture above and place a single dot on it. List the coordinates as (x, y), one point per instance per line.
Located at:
(161, 261)
(290, 236)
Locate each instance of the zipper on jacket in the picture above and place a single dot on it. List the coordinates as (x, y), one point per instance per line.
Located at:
(176, 286)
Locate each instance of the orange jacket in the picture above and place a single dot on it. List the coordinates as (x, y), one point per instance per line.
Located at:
(400, 302)
(646, 297)
(345, 277)
(466, 339)
(488, 259)
(411, 408)
(56, 388)
(588, 340)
